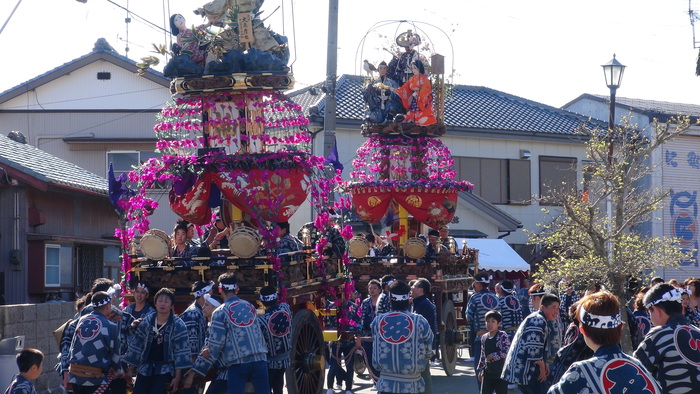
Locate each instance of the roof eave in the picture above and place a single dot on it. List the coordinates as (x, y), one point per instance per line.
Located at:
(503, 220)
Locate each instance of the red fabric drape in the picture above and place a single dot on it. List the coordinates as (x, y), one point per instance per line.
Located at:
(273, 195)
(433, 207)
(193, 206)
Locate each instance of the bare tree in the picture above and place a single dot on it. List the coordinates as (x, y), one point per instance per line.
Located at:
(589, 243)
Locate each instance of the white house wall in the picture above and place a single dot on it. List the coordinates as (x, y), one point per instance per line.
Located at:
(81, 89)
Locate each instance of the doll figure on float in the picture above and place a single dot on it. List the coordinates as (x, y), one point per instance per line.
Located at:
(382, 103)
(417, 97)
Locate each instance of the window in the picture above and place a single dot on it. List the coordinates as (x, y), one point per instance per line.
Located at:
(499, 181)
(111, 263)
(58, 266)
(125, 161)
(556, 174)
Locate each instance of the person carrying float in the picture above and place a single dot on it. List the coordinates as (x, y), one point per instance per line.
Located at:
(479, 303)
(510, 309)
(159, 351)
(94, 351)
(671, 350)
(276, 327)
(196, 323)
(236, 340)
(402, 344)
(609, 370)
(526, 362)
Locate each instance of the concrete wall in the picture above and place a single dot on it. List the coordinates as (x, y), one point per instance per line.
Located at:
(37, 323)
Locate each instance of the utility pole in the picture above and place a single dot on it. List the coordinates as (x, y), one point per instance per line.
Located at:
(331, 70)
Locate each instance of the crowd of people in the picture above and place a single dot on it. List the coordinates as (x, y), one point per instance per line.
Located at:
(547, 341)
(107, 349)
(538, 339)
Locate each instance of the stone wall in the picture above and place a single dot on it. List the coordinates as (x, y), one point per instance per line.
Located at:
(37, 323)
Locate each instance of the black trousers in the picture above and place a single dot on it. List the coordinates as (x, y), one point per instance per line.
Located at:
(276, 377)
(489, 385)
(85, 389)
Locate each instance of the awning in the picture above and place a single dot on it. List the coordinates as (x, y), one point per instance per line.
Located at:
(496, 255)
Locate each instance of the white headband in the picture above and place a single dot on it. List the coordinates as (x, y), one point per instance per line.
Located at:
(538, 293)
(204, 290)
(485, 279)
(671, 295)
(509, 291)
(97, 304)
(208, 298)
(115, 289)
(226, 287)
(143, 286)
(399, 297)
(389, 283)
(597, 321)
(268, 298)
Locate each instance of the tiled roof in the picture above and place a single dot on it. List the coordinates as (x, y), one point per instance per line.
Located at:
(651, 108)
(102, 50)
(466, 108)
(48, 168)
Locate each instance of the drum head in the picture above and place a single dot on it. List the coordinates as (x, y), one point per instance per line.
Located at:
(155, 244)
(358, 247)
(415, 248)
(244, 242)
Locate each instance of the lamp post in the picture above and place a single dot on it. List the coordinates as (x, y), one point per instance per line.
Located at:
(613, 71)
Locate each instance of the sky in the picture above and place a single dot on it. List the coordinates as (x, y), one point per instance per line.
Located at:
(549, 51)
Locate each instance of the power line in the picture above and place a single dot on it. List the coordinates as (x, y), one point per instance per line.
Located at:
(86, 98)
(9, 17)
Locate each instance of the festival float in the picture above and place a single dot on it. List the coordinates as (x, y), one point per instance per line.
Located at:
(235, 146)
(404, 171)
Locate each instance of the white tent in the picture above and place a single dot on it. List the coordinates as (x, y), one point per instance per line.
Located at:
(496, 255)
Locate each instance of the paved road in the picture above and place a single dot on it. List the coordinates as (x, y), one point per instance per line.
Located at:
(463, 381)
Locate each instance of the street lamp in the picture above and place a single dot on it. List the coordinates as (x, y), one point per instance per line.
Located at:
(613, 77)
(613, 71)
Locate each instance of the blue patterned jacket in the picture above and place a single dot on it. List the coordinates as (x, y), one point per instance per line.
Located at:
(479, 304)
(369, 312)
(608, 371)
(196, 324)
(176, 347)
(573, 349)
(130, 314)
(95, 344)
(383, 303)
(20, 385)
(528, 346)
(233, 336)
(276, 327)
(402, 346)
(566, 301)
(672, 354)
(289, 243)
(512, 313)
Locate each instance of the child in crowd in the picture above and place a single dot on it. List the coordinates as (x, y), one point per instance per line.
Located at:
(494, 349)
(29, 362)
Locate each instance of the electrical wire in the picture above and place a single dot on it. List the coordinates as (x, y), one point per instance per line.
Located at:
(138, 16)
(10, 17)
(85, 98)
(60, 137)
